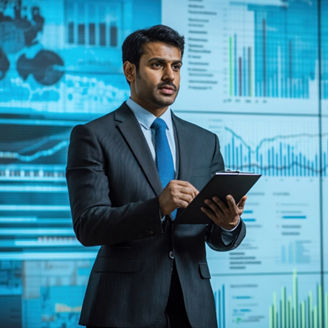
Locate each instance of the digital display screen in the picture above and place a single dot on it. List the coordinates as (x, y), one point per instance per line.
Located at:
(254, 72)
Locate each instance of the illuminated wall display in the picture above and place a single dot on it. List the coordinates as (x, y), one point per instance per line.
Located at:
(252, 74)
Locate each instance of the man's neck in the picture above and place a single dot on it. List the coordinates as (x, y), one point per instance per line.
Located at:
(157, 111)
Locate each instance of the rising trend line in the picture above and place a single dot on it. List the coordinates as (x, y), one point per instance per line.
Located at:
(30, 158)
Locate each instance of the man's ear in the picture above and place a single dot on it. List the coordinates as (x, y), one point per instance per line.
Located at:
(129, 70)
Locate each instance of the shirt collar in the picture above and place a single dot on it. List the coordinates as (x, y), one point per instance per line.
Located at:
(146, 118)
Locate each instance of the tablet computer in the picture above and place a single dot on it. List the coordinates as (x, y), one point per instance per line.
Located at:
(221, 184)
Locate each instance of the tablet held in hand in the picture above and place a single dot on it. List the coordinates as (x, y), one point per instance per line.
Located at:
(221, 184)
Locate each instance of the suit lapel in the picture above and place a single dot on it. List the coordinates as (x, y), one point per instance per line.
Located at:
(131, 131)
(182, 143)
(183, 158)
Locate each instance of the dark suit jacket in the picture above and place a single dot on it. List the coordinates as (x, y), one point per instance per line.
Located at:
(113, 187)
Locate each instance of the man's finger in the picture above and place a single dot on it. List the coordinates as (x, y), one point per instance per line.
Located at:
(181, 182)
(184, 197)
(241, 203)
(209, 214)
(181, 203)
(191, 191)
(231, 203)
(213, 206)
(220, 204)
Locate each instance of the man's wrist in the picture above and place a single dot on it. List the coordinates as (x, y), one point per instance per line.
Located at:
(233, 228)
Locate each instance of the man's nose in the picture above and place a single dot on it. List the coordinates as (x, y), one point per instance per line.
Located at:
(168, 73)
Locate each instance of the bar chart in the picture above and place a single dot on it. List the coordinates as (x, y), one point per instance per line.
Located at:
(260, 144)
(220, 302)
(87, 37)
(259, 56)
(290, 310)
(245, 81)
(273, 301)
(94, 24)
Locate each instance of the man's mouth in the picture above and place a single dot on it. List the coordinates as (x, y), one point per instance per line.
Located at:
(167, 89)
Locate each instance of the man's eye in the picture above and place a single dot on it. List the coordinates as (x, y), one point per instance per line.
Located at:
(176, 67)
(156, 65)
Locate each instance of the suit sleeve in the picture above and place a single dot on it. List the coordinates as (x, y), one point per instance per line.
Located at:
(95, 220)
(216, 237)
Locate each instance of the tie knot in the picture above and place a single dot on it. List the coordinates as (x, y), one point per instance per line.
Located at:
(159, 124)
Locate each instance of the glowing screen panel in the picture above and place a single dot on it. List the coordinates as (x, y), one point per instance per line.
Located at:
(255, 73)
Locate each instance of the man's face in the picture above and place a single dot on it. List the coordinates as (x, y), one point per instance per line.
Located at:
(156, 83)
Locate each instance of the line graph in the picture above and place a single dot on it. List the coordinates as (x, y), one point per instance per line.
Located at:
(38, 154)
(277, 156)
(34, 144)
(272, 146)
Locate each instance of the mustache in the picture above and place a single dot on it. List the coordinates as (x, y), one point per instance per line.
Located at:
(165, 84)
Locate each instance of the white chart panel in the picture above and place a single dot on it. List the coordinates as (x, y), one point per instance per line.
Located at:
(247, 56)
(283, 231)
(282, 216)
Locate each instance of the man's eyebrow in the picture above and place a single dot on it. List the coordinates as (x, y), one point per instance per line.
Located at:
(162, 60)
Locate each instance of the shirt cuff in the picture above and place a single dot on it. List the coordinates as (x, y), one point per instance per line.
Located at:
(231, 230)
(228, 236)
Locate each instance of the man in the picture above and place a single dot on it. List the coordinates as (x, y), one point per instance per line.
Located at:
(128, 172)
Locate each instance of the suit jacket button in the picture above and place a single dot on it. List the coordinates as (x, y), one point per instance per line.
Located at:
(171, 255)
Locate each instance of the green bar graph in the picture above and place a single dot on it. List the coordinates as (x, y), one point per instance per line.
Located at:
(292, 311)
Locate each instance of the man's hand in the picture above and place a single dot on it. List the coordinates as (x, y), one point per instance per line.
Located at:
(176, 194)
(225, 216)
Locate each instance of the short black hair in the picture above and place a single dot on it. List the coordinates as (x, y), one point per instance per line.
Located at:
(132, 47)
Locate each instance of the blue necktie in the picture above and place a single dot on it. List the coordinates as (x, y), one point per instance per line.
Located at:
(164, 160)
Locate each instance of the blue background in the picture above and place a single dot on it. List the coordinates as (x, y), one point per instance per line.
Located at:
(255, 72)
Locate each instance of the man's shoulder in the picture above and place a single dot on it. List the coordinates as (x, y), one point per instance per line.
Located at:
(104, 125)
(107, 119)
